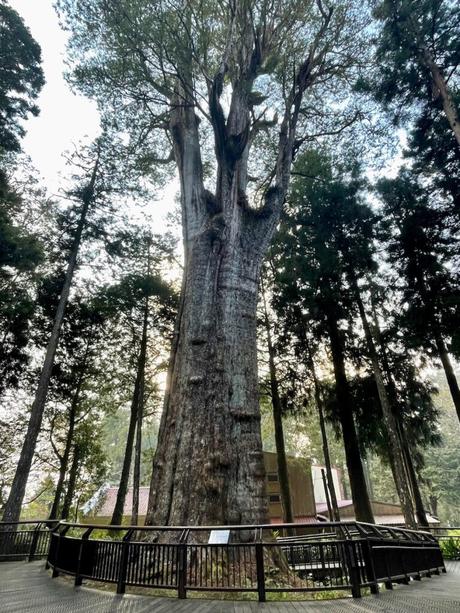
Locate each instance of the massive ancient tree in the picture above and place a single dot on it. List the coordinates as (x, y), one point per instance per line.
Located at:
(239, 74)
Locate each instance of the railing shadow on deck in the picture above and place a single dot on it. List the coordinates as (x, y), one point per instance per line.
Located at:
(328, 556)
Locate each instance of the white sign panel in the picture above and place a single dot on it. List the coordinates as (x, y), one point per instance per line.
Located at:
(219, 537)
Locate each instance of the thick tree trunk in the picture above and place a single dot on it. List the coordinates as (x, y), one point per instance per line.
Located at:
(136, 403)
(209, 466)
(391, 425)
(359, 492)
(283, 472)
(449, 372)
(72, 483)
(18, 487)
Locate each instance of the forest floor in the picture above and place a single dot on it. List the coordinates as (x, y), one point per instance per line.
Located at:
(27, 587)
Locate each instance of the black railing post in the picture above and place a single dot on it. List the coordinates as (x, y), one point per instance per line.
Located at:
(260, 570)
(370, 570)
(181, 570)
(123, 567)
(403, 566)
(33, 544)
(84, 539)
(60, 535)
(353, 570)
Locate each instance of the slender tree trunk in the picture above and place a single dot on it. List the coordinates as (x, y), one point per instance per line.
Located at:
(409, 465)
(64, 460)
(359, 492)
(322, 425)
(72, 483)
(440, 86)
(283, 472)
(18, 487)
(388, 417)
(434, 505)
(117, 515)
(418, 500)
(140, 411)
(449, 372)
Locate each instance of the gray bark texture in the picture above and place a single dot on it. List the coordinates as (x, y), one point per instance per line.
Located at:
(14, 503)
(208, 467)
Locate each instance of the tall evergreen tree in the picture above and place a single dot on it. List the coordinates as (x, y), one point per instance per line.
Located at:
(421, 250)
(417, 54)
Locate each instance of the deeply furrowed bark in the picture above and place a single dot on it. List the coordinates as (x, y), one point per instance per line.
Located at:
(359, 491)
(388, 417)
(211, 425)
(13, 505)
(208, 466)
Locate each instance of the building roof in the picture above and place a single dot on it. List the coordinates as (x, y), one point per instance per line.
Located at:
(393, 517)
(104, 502)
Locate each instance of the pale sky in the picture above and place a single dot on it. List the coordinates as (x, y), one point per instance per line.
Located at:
(65, 118)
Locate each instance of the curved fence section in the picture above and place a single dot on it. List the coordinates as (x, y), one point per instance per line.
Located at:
(25, 539)
(270, 558)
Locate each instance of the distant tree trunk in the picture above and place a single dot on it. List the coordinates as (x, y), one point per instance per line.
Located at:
(434, 505)
(71, 485)
(388, 416)
(140, 414)
(414, 481)
(322, 426)
(117, 515)
(440, 86)
(283, 472)
(64, 459)
(409, 465)
(449, 372)
(18, 487)
(359, 492)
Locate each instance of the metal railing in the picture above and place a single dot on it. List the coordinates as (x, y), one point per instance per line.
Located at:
(25, 539)
(260, 559)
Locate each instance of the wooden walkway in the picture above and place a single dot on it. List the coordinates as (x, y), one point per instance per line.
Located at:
(28, 587)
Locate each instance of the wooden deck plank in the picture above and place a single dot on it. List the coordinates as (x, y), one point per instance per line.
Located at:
(28, 588)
